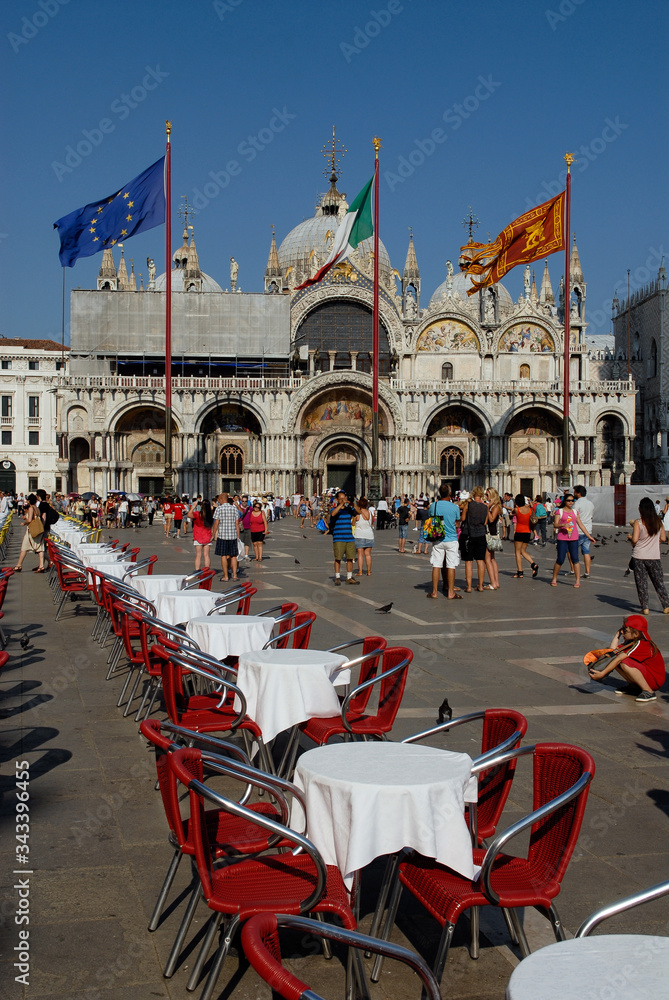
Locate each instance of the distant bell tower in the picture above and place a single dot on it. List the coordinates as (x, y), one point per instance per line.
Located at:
(578, 290)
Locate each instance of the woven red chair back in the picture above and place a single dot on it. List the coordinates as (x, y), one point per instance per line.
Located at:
(494, 785)
(391, 689)
(303, 621)
(557, 766)
(368, 669)
(185, 765)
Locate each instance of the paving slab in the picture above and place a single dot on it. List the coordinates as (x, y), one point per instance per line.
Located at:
(99, 847)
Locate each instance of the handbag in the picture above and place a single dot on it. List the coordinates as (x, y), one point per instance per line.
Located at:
(534, 520)
(322, 526)
(493, 542)
(36, 528)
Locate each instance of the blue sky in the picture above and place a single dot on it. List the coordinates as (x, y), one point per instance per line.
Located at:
(508, 85)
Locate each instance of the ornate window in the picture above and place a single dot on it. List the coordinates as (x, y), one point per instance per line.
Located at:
(232, 461)
(653, 358)
(342, 327)
(524, 371)
(149, 453)
(447, 372)
(452, 463)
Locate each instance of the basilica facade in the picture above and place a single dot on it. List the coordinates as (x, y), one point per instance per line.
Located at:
(272, 390)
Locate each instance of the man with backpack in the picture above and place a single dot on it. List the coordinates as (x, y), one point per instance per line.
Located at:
(540, 512)
(443, 515)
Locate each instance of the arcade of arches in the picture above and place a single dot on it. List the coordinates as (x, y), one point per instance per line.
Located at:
(331, 446)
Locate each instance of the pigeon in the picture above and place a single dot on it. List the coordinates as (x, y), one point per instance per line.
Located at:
(445, 712)
(297, 562)
(25, 641)
(385, 609)
(304, 536)
(604, 542)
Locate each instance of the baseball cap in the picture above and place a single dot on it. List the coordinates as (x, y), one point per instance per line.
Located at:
(637, 622)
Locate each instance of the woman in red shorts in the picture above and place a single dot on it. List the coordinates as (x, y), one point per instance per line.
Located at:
(640, 662)
(521, 536)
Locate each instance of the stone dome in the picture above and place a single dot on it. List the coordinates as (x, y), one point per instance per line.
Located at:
(208, 284)
(461, 282)
(311, 235)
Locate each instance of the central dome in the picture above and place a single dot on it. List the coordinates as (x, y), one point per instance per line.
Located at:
(312, 235)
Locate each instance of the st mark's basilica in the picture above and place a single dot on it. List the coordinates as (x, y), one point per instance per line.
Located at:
(272, 390)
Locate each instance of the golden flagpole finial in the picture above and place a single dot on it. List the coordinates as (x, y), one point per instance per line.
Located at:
(168, 127)
(569, 159)
(377, 145)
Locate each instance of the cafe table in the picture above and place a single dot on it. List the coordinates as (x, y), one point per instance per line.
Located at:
(615, 966)
(230, 635)
(177, 606)
(366, 800)
(150, 586)
(284, 687)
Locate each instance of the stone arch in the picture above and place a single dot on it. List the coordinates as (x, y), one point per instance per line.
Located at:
(610, 446)
(77, 419)
(352, 381)
(79, 472)
(209, 408)
(475, 413)
(457, 428)
(525, 335)
(550, 410)
(339, 331)
(321, 294)
(137, 415)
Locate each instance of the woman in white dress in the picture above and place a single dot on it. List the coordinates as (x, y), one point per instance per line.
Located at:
(363, 535)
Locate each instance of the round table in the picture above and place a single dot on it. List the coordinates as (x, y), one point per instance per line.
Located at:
(176, 606)
(616, 966)
(230, 635)
(151, 586)
(284, 687)
(115, 569)
(365, 800)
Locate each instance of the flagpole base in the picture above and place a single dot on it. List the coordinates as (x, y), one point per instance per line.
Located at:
(168, 481)
(374, 486)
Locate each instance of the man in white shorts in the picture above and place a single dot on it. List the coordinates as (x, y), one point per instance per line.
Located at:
(447, 551)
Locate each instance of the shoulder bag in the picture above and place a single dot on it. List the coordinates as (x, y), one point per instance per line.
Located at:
(36, 528)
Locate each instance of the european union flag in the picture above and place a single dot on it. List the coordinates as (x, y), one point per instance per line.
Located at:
(137, 206)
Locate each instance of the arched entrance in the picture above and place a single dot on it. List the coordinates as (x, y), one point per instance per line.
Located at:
(80, 477)
(456, 437)
(534, 448)
(7, 477)
(231, 437)
(343, 468)
(232, 467)
(139, 448)
(610, 449)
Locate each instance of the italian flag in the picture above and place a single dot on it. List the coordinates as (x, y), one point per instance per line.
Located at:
(355, 227)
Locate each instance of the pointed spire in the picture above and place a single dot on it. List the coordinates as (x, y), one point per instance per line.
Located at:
(107, 267)
(132, 282)
(193, 259)
(546, 296)
(533, 291)
(411, 271)
(576, 274)
(273, 276)
(123, 283)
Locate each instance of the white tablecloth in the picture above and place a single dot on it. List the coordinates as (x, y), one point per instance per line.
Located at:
(615, 966)
(100, 557)
(90, 549)
(151, 586)
(230, 635)
(115, 569)
(284, 687)
(369, 799)
(176, 606)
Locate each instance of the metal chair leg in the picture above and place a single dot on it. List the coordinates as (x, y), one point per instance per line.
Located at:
(474, 914)
(442, 953)
(194, 978)
(61, 605)
(520, 932)
(509, 925)
(556, 922)
(167, 885)
(220, 959)
(183, 930)
(140, 674)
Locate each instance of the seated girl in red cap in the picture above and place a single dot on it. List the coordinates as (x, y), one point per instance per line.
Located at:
(639, 661)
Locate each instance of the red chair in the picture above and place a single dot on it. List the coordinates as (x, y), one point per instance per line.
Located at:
(133, 555)
(562, 775)
(391, 681)
(3, 660)
(260, 941)
(227, 834)
(72, 580)
(212, 712)
(280, 612)
(369, 664)
(503, 729)
(241, 596)
(299, 626)
(206, 577)
(288, 883)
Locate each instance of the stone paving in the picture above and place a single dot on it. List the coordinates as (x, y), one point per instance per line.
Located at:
(98, 845)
